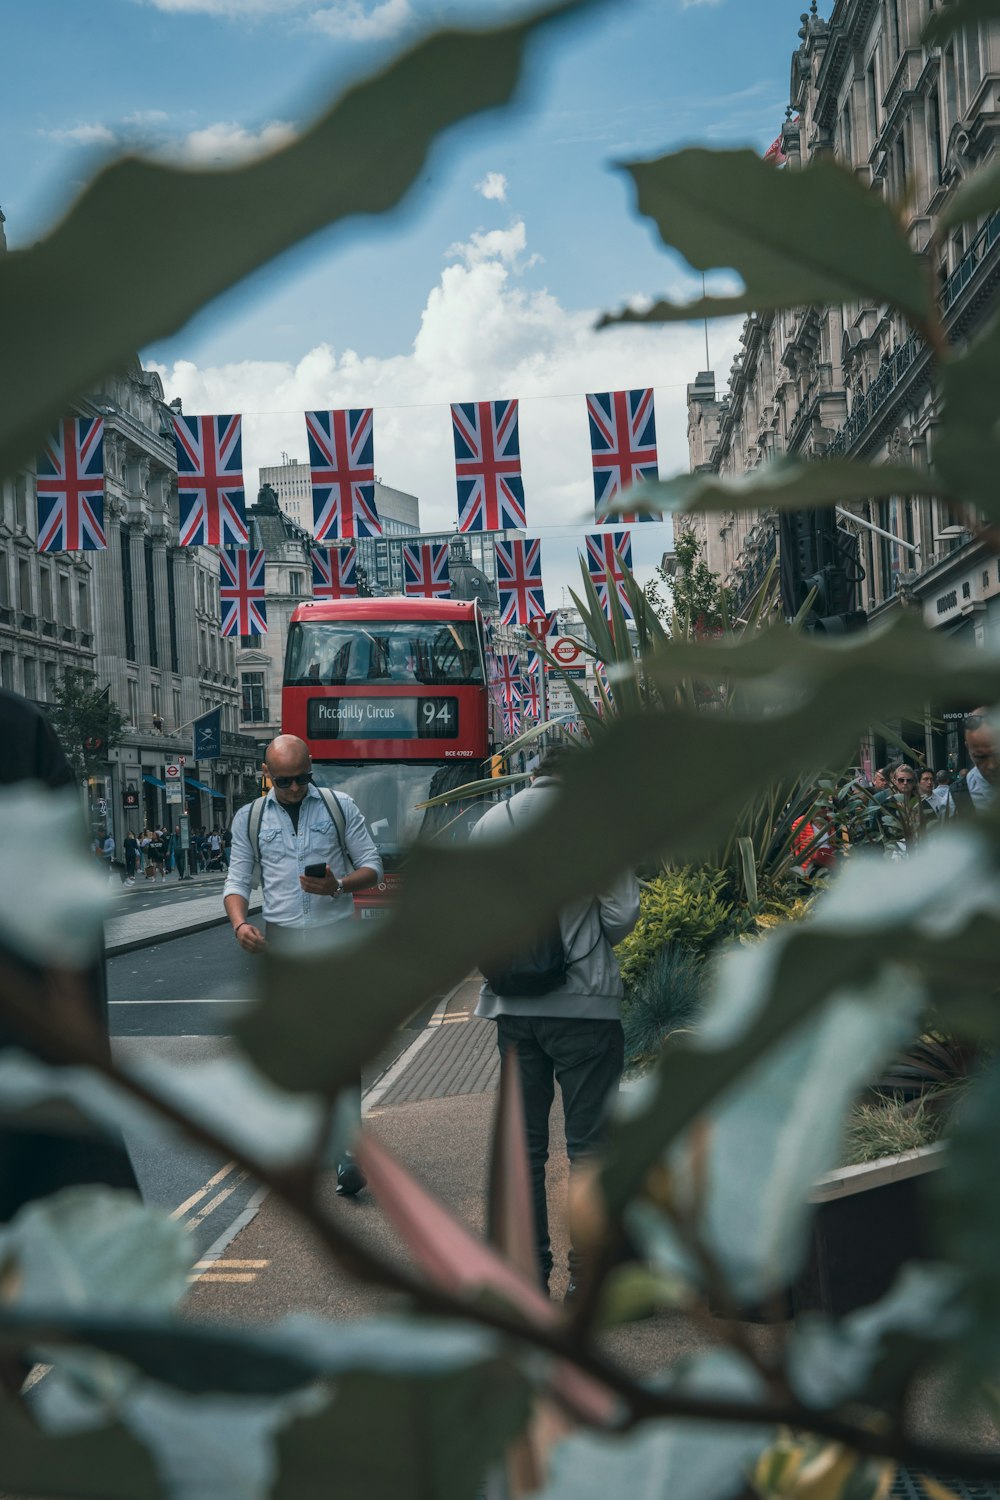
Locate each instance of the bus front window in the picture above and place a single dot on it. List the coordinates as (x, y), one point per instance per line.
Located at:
(418, 653)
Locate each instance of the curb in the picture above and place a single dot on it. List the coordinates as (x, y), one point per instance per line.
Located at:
(150, 940)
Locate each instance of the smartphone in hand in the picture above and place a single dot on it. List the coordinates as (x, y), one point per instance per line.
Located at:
(315, 872)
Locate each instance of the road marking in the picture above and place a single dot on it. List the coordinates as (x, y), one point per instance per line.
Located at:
(213, 1203)
(224, 1276)
(229, 1265)
(221, 1000)
(202, 1192)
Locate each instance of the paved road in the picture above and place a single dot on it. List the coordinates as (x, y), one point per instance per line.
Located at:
(177, 1001)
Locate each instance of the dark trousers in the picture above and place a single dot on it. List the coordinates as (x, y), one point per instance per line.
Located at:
(586, 1058)
(180, 860)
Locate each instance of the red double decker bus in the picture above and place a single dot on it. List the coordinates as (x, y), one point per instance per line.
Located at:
(391, 697)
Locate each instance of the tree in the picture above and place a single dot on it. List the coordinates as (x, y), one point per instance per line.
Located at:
(692, 601)
(89, 724)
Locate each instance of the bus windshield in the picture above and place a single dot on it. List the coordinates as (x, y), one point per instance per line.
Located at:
(388, 794)
(331, 653)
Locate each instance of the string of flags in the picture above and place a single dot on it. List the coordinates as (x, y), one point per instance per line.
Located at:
(489, 488)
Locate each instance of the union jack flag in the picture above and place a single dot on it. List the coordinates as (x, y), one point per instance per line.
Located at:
(604, 568)
(210, 481)
(511, 723)
(335, 573)
(425, 570)
(509, 679)
(605, 683)
(543, 628)
(70, 488)
(531, 698)
(488, 466)
(519, 581)
(622, 446)
(342, 470)
(241, 590)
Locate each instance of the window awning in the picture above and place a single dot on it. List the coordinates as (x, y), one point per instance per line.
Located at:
(153, 780)
(203, 787)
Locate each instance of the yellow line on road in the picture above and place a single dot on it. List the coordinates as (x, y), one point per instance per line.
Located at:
(224, 1276)
(231, 1265)
(213, 1203)
(212, 1182)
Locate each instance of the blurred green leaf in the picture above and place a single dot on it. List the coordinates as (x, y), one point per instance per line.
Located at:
(795, 238)
(77, 304)
(106, 1464)
(405, 1436)
(322, 1015)
(946, 20)
(967, 1200)
(682, 1460)
(784, 484)
(741, 1182)
(91, 1246)
(967, 447)
(870, 1355)
(925, 914)
(978, 195)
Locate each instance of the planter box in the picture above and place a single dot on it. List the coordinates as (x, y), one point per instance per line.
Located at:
(869, 1221)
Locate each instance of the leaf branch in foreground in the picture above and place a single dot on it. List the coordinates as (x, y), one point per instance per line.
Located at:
(796, 238)
(641, 1402)
(76, 305)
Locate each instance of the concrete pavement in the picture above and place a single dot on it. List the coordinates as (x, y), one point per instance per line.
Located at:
(196, 905)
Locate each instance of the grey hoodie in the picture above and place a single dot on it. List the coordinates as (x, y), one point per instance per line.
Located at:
(593, 988)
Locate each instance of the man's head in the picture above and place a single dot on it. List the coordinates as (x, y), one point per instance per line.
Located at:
(553, 762)
(943, 778)
(880, 781)
(981, 743)
(925, 781)
(288, 763)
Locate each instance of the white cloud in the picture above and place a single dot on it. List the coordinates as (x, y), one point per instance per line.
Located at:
(352, 21)
(226, 141)
(235, 10)
(505, 245)
(94, 134)
(482, 335)
(493, 185)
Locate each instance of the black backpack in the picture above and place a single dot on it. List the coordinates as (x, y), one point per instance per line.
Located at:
(536, 969)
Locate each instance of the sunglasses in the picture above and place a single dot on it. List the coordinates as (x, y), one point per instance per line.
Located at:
(284, 782)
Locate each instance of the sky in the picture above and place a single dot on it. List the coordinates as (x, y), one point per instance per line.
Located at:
(485, 283)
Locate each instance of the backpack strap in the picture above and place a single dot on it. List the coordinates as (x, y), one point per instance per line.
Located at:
(253, 834)
(332, 804)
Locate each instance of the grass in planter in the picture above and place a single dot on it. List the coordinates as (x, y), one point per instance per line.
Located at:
(667, 998)
(896, 1125)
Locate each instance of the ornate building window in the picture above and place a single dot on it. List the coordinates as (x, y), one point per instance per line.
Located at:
(254, 692)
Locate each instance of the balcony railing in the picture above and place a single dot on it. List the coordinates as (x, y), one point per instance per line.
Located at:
(971, 261)
(754, 571)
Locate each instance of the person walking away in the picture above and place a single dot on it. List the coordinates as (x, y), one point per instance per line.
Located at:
(145, 854)
(314, 851)
(104, 848)
(572, 1035)
(131, 857)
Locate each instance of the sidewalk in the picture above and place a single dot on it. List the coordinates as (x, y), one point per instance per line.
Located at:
(128, 930)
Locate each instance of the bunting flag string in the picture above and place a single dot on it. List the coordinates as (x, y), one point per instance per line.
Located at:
(342, 474)
(511, 722)
(210, 491)
(70, 487)
(335, 573)
(622, 447)
(509, 678)
(531, 697)
(519, 581)
(488, 466)
(605, 569)
(425, 570)
(241, 591)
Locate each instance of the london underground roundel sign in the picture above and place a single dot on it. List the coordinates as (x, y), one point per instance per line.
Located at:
(566, 651)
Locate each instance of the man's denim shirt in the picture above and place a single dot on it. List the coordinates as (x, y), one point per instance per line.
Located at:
(284, 855)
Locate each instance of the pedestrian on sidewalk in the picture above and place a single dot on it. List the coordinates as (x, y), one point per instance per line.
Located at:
(572, 1033)
(131, 857)
(314, 851)
(975, 791)
(180, 857)
(104, 848)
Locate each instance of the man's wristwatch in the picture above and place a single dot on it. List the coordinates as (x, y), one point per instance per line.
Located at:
(338, 889)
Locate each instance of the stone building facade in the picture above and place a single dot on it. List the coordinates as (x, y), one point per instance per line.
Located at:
(287, 583)
(854, 380)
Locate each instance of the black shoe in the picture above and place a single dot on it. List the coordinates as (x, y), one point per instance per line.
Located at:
(350, 1179)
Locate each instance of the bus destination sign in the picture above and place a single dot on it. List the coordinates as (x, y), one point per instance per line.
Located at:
(363, 718)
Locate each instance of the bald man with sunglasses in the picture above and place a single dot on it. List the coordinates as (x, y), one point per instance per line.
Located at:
(296, 831)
